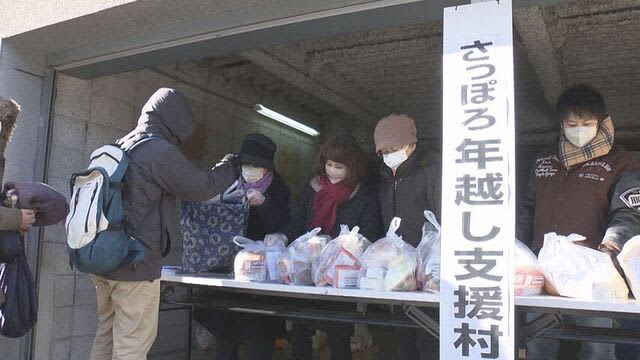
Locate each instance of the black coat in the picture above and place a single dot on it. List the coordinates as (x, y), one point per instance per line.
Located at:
(270, 217)
(273, 215)
(413, 189)
(362, 209)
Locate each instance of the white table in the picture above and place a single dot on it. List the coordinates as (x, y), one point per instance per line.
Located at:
(550, 325)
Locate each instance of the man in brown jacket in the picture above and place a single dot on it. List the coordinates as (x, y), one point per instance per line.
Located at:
(128, 297)
(586, 185)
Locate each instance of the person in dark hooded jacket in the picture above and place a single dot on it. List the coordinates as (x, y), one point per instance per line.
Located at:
(128, 296)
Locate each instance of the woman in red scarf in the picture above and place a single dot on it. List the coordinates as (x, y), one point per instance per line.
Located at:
(336, 195)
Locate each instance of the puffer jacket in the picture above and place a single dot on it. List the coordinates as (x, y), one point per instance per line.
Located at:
(158, 174)
(362, 209)
(599, 199)
(413, 189)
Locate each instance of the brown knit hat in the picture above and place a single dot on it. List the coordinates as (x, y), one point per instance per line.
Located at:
(395, 131)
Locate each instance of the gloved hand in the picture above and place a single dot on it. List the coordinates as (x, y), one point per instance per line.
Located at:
(255, 197)
(234, 160)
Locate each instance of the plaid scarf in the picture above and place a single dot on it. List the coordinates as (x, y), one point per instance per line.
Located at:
(600, 145)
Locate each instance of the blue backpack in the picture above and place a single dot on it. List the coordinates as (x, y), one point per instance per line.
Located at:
(97, 240)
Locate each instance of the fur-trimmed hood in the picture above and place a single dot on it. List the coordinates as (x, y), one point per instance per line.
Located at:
(9, 111)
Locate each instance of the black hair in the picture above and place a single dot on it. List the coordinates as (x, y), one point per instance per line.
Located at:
(583, 101)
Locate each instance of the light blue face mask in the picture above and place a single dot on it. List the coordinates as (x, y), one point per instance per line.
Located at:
(396, 158)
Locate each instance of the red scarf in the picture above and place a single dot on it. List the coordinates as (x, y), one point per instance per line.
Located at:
(326, 203)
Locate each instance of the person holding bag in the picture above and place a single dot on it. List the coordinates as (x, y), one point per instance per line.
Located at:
(268, 196)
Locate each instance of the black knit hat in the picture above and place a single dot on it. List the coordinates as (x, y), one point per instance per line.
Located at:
(258, 150)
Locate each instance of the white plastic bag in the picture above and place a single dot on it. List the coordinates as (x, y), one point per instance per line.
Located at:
(428, 272)
(529, 278)
(577, 271)
(276, 246)
(251, 262)
(629, 259)
(390, 263)
(339, 262)
(294, 265)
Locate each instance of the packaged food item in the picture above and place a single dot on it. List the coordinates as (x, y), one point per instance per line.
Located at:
(276, 245)
(629, 259)
(347, 276)
(529, 278)
(257, 261)
(345, 250)
(294, 265)
(428, 272)
(577, 271)
(390, 263)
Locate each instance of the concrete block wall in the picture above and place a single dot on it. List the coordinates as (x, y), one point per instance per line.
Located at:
(21, 78)
(90, 113)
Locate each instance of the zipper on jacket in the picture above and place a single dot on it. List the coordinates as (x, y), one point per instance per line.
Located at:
(395, 188)
(75, 207)
(93, 196)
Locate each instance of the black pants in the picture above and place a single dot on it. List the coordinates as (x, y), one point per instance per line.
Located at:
(227, 349)
(338, 336)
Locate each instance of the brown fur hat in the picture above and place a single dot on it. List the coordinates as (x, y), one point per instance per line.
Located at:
(9, 111)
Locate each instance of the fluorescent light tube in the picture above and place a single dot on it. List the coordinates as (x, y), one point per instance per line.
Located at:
(285, 120)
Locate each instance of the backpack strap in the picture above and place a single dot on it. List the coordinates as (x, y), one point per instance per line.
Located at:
(128, 148)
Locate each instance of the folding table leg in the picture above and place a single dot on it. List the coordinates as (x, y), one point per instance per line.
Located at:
(423, 320)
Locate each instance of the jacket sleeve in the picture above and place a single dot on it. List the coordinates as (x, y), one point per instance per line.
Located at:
(273, 213)
(299, 215)
(436, 193)
(624, 210)
(370, 220)
(175, 174)
(10, 219)
(526, 211)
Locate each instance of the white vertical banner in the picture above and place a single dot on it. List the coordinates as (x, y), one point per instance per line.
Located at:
(478, 183)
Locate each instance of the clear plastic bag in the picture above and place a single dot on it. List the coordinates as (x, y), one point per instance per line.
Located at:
(339, 262)
(390, 263)
(577, 271)
(294, 265)
(257, 261)
(529, 278)
(428, 272)
(629, 259)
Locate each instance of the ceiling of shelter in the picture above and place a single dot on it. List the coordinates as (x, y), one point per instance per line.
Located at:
(367, 75)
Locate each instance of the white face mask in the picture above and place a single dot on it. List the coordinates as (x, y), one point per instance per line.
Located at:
(396, 158)
(580, 135)
(336, 172)
(252, 174)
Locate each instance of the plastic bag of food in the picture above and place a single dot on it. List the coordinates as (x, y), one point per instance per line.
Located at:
(390, 263)
(577, 271)
(294, 265)
(339, 262)
(428, 272)
(276, 246)
(252, 262)
(529, 279)
(629, 259)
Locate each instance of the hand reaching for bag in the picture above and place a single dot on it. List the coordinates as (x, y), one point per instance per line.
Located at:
(255, 197)
(28, 219)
